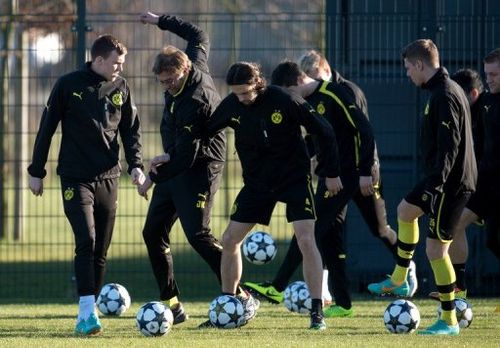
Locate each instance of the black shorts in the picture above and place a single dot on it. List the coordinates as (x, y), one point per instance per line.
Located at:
(253, 206)
(487, 191)
(446, 211)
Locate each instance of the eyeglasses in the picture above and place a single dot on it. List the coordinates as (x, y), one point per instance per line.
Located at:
(170, 80)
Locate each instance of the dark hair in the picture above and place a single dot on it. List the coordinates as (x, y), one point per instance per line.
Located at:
(287, 74)
(493, 56)
(104, 45)
(424, 50)
(246, 73)
(468, 79)
(172, 60)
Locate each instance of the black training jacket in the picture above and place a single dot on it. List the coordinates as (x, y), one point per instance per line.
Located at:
(354, 133)
(186, 113)
(446, 137)
(490, 161)
(92, 111)
(269, 140)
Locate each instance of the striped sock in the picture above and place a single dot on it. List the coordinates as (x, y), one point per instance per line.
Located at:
(407, 243)
(445, 281)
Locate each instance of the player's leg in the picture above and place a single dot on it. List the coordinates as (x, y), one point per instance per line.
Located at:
(156, 234)
(78, 200)
(231, 262)
(443, 221)
(408, 236)
(312, 267)
(105, 204)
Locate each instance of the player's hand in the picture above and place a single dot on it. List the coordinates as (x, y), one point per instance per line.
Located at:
(366, 185)
(138, 176)
(149, 18)
(158, 161)
(36, 186)
(142, 190)
(333, 185)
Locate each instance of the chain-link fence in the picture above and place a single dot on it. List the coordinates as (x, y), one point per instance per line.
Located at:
(41, 40)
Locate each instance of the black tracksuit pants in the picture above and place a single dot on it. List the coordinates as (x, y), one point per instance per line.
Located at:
(91, 210)
(189, 198)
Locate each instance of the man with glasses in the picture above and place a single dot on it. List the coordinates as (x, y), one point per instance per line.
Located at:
(187, 174)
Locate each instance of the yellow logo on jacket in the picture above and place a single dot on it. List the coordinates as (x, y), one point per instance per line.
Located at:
(276, 117)
(117, 99)
(69, 193)
(321, 108)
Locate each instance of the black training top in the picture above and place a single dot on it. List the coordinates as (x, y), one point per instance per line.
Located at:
(269, 140)
(446, 137)
(186, 113)
(92, 112)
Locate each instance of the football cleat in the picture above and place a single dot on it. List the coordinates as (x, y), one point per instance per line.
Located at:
(89, 327)
(386, 287)
(336, 311)
(317, 322)
(179, 313)
(458, 294)
(440, 327)
(412, 280)
(265, 290)
(207, 325)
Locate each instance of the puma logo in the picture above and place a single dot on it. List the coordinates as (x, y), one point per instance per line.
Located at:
(236, 119)
(188, 128)
(446, 124)
(78, 95)
(487, 108)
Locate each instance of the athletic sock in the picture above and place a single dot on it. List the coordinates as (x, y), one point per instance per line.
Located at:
(407, 243)
(459, 269)
(86, 307)
(445, 281)
(173, 301)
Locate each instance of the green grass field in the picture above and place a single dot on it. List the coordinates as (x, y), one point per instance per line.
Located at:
(51, 325)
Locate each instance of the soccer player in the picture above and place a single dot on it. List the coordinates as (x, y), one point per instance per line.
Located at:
(471, 83)
(187, 174)
(356, 145)
(449, 179)
(276, 167)
(480, 206)
(93, 105)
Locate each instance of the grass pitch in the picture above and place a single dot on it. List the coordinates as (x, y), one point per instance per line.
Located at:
(51, 325)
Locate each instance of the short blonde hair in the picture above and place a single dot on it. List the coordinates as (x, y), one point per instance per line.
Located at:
(172, 60)
(312, 61)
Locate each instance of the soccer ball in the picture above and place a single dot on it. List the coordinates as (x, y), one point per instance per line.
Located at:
(401, 316)
(464, 312)
(154, 319)
(259, 248)
(226, 312)
(113, 299)
(297, 298)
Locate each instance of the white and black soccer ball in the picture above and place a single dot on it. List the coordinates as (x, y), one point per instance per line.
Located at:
(464, 312)
(297, 298)
(226, 312)
(259, 248)
(154, 319)
(401, 316)
(113, 299)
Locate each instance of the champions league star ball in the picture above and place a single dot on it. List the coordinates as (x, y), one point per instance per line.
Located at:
(154, 319)
(113, 299)
(259, 248)
(226, 312)
(401, 316)
(463, 310)
(297, 298)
